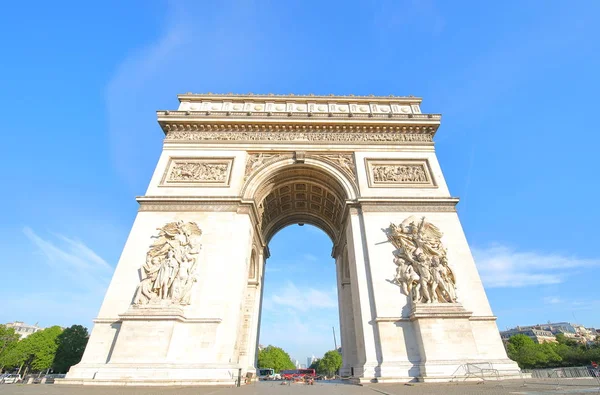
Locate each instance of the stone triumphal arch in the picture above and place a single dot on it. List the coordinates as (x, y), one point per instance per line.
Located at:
(184, 303)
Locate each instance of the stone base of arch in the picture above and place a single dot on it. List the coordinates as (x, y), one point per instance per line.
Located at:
(158, 374)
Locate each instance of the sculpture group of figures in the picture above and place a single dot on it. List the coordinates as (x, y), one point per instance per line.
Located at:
(169, 272)
(402, 173)
(422, 267)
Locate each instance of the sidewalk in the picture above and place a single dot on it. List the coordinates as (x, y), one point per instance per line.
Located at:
(524, 387)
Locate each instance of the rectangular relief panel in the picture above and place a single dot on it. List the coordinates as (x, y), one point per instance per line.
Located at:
(399, 173)
(197, 172)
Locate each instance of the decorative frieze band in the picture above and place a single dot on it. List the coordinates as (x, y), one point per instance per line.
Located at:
(198, 172)
(307, 105)
(333, 137)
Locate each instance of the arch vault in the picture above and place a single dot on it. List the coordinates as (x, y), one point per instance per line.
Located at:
(184, 304)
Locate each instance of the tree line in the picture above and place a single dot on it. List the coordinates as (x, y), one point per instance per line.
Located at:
(566, 352)
(51, 348)
(329, 364)
(276, 358)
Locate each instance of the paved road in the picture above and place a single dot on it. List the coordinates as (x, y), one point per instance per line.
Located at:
(530, 387)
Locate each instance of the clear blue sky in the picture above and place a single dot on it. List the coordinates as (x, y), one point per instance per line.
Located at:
(516, 82)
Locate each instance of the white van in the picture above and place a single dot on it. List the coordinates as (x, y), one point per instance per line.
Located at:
(268, 374)
(11, 379)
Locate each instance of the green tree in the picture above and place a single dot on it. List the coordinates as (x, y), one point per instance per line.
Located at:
(330, 363)
(71, 345)
(550, 351)
(8, 340)
(274, 358)
(36, 351)
(562, 339)
(566, 352)
(525, 352)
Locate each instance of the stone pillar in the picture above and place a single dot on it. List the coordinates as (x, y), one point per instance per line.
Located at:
(263, 266)
(348, 338)
(250, 315)
(256, 310)
(424, 340)
(164, 343)
(362, 299)
(339, 262)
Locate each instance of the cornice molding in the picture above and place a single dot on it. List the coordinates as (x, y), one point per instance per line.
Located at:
(172, 124)
(421, 204)
(293, 116)
(271, 122)
(483, 318)
(287, 97)
(188, 203)
(391, 319)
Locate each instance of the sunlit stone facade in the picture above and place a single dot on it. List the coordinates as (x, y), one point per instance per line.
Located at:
(184, 304)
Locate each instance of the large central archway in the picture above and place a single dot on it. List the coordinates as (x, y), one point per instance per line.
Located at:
(300, 193)
(287, 192)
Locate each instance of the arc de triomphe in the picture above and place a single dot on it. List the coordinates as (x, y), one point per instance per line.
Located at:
(184, 303)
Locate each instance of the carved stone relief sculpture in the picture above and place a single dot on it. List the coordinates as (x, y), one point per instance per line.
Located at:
(343, 162)
(190, 171)
(399, 173)
(198, 171)
(422, 270)
(169, 272)
(257, 160)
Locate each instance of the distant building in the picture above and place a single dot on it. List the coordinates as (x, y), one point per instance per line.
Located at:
(543, 333)
(572, 331)
(310, 360)
(23, 329)
(560, 327)
(537, 335)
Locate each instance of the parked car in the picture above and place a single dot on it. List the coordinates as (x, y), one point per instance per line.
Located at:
(11, 379)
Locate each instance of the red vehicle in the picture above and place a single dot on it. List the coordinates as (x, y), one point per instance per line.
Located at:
(308, 372)
(297, 373)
